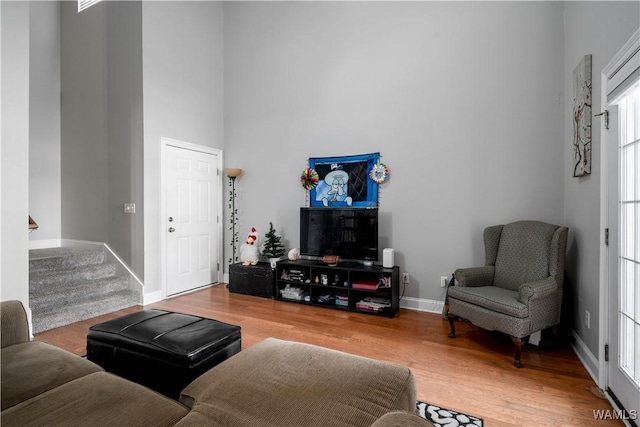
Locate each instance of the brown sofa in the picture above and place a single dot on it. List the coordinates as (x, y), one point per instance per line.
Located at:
(273, 383)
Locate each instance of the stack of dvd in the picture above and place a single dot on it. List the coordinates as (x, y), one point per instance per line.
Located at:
(297, 276)
(342, 300)
(373, 304)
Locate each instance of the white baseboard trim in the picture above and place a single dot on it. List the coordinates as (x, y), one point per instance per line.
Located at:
(72, 243)
(588, 360)
(421, 304)
(133, 279)
(44, 244)
(152, 297)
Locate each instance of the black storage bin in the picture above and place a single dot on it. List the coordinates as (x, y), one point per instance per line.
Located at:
(257, 280)
(160, 349)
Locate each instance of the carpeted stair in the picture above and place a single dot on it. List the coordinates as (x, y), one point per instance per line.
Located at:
(67, 285)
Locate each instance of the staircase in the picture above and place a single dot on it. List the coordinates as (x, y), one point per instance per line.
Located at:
(67, 285)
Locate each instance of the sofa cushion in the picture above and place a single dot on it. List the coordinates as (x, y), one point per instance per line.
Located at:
(31, 368)
(282, 383)
(98, 399)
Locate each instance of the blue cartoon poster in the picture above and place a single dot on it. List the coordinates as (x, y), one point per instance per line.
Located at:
(344, 181)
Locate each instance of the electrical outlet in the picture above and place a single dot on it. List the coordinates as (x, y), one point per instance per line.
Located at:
(443, 281)
(587, 318)
(405, 278)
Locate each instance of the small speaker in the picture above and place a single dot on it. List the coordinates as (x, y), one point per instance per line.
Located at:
(387, 258)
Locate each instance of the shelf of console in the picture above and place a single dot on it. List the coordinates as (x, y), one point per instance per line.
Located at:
(356, 288)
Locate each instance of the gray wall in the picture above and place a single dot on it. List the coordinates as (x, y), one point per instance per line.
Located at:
(599, 29)
(84, 123)
(44, 122)
(464, 100)
(14, 151)
(124, 106)
(183, 98)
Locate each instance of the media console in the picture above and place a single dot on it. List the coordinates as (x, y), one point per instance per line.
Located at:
(353, 287)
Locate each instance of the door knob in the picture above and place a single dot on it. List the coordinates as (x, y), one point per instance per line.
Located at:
(171, 229)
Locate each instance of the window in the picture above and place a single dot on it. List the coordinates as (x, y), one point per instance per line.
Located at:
(629, 250)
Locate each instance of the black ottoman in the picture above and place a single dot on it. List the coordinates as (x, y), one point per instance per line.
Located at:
(160, 349)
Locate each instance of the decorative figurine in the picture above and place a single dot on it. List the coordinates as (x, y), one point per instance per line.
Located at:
(249, 252)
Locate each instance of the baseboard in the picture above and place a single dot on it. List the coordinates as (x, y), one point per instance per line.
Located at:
(44, 244)
(152, 297)
(588, 360)
(29, 314)
(421, 304)
(134, 282)
(72, 243)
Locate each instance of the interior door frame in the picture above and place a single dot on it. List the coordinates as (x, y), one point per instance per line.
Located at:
(616, 63)
(166, 142)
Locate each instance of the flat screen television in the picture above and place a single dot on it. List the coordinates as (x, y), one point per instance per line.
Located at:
(351, 233)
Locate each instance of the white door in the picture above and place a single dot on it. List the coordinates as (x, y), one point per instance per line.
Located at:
(191, 223)
(624, 253)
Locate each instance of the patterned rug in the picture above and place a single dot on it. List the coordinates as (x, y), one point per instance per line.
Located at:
(442, 417)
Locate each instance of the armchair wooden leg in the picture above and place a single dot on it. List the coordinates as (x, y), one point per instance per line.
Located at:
(519, 343)
(452, 318)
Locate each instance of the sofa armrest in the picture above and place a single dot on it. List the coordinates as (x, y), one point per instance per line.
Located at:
(536, 290)
(475, 276)
(15, 326)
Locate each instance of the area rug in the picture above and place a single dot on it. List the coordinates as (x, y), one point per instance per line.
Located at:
(443, 417)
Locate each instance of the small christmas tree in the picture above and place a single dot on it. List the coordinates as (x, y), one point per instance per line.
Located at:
(273, 247)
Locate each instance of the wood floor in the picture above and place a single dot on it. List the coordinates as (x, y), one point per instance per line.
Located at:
(472, 373)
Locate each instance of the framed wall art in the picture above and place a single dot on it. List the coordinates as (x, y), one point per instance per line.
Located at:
(582, 117)
(344, 181)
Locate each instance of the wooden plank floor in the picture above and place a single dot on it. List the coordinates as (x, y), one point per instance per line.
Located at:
(472, 373)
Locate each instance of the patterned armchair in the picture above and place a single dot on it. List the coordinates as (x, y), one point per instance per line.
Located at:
(519, 290)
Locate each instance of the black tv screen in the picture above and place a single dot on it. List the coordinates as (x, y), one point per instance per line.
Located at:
(351, 233)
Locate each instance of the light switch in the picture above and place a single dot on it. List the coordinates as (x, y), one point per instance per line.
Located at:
(130, 208)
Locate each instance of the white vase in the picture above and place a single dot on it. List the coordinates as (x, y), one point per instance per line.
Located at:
(273, 262)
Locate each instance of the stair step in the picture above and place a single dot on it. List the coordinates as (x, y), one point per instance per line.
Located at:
(55, 297)
(67, 285)
(82, 310)
(70, 278)
(63, 258)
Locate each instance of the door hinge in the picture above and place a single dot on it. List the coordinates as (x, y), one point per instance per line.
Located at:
(606, 352)
(606, 237)
(605, 113)
(218, 266)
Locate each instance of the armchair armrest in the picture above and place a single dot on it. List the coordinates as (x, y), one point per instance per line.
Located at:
(14, 325)
(474, 276)
(536, 290)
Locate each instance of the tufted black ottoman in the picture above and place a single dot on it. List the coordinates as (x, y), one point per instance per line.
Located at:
(160, 349)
